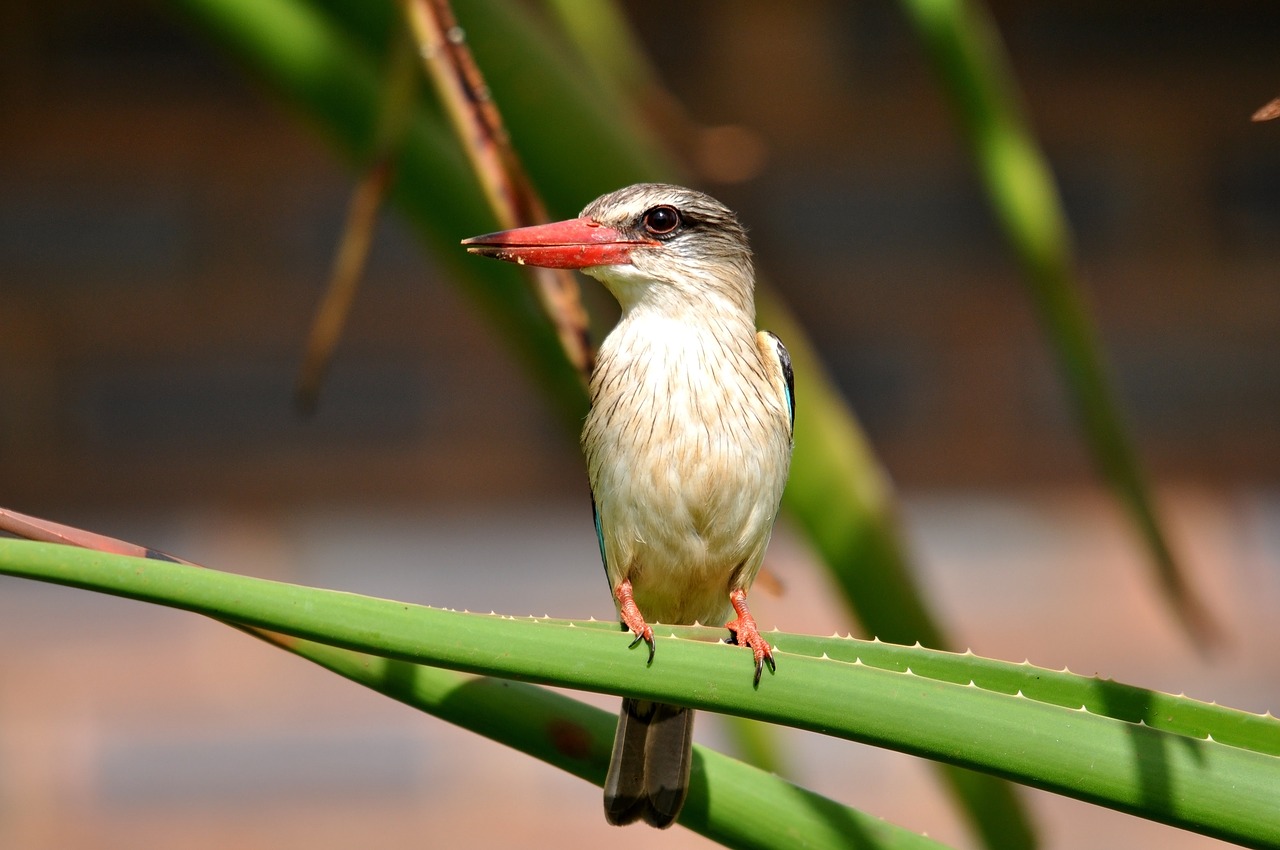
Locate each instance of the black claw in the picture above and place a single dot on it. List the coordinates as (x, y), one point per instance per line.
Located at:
(773, 668)
(650, 641)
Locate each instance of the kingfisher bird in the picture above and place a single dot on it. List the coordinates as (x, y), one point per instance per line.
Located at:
(687, 443)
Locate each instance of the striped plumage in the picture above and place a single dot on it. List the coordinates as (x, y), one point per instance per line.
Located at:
(687, 444)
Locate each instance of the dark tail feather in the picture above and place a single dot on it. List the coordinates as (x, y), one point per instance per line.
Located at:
(649, 772)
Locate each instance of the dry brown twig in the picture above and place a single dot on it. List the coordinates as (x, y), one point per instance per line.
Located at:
(362, 218)
(344, 281)
(1268, 111)
(456, 76)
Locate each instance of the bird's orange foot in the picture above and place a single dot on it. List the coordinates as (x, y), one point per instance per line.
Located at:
(745, 633)
(631, 617)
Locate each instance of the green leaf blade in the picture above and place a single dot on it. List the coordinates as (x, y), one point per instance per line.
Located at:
(1220, 790)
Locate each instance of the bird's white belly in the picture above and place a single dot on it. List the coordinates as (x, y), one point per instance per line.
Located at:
(681, 537)
(686, 475)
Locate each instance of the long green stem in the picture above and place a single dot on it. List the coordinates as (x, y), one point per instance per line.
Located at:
(1200, 784)
(972, 67)
(729, 802)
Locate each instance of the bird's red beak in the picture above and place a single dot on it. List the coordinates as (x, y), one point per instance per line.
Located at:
(578, 243)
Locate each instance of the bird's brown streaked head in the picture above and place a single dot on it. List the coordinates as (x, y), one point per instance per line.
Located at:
(667, 233)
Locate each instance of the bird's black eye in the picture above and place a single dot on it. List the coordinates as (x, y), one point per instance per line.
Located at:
(661, 221)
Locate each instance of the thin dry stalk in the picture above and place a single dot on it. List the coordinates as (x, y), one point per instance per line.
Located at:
(1268, 111)
(344, 281)
(462, 89)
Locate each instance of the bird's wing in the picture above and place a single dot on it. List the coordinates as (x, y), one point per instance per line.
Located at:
(604, 559)
(773, 348)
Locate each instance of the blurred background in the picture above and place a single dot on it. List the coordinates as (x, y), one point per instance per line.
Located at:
(165, 232)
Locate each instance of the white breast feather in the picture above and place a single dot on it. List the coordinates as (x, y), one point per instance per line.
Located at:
(688, 446)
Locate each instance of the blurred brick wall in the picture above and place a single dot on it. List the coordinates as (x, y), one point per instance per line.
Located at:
(164, 233)
(165, 230)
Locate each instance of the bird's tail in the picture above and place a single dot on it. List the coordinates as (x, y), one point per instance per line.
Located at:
(649, 772)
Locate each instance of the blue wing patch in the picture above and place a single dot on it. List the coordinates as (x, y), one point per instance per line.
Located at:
(784, 360)
(595, 515)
